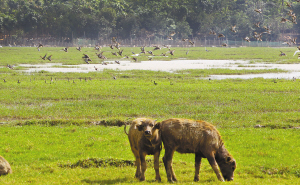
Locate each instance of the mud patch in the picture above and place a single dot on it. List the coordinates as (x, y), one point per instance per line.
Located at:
(97, 163)
(110, 122)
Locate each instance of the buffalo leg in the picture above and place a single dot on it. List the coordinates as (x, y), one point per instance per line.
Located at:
(197, 166)
(137, 164)
(143, 165)
(213, 164)
(156, 166)
(167, 159)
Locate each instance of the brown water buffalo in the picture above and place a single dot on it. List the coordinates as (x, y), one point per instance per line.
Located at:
(145, 139)
(201, 138)
(4, 166)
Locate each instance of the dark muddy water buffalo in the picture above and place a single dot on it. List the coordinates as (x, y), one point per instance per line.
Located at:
(201, 138)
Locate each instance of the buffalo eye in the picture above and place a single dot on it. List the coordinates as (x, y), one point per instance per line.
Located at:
(151, 125)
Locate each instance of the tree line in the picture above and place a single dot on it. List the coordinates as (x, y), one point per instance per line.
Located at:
(140, 19)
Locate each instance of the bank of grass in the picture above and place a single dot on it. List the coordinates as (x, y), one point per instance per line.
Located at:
(30, 55)
(94, 97)
(45, 155)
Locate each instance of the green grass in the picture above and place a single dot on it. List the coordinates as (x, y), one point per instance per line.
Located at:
(40, 155)
(49, 134)
(30, 55)
(229, 103)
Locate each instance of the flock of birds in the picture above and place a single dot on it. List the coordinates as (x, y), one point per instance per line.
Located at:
(116, 45)
(258, 36)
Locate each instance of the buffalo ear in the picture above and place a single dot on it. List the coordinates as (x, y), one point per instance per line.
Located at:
(157, 125)
(228, 159)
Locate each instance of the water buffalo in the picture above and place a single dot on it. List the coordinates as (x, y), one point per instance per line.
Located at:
(145, 139)
(201, 138)
(4, 166)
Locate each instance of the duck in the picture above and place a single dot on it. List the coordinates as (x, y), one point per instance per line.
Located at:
(258, 10)
(49, 58)
(156, 48)
(221, 35)
(135, 59)
(247, 39)
(44, 57)
(120, 52)
(172, 34)
(212, 32)
(233, 29)
(172, 52)
(224, 45)
(282, 54)
(284, 20)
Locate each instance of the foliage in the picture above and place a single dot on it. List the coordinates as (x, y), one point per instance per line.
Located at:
(102, 19)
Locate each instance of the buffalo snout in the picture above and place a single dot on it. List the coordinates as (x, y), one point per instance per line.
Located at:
(147, 132)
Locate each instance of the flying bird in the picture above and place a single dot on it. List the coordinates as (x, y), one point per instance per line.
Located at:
(44, 57)
(297, 50)
(257, 24)
(212, 32)
(224, 45)
(221, 35)
(258, 10)
(172, 34)
(191, 42)
(233, 29)
(10, 66)
(49, 58)
(247, 39)
(284, 20)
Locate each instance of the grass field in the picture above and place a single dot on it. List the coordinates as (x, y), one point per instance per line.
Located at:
(50, 134)
(30, 55)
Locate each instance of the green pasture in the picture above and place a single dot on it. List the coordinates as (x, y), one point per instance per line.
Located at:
(65, 154)
(63, 128)
(31, 55)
